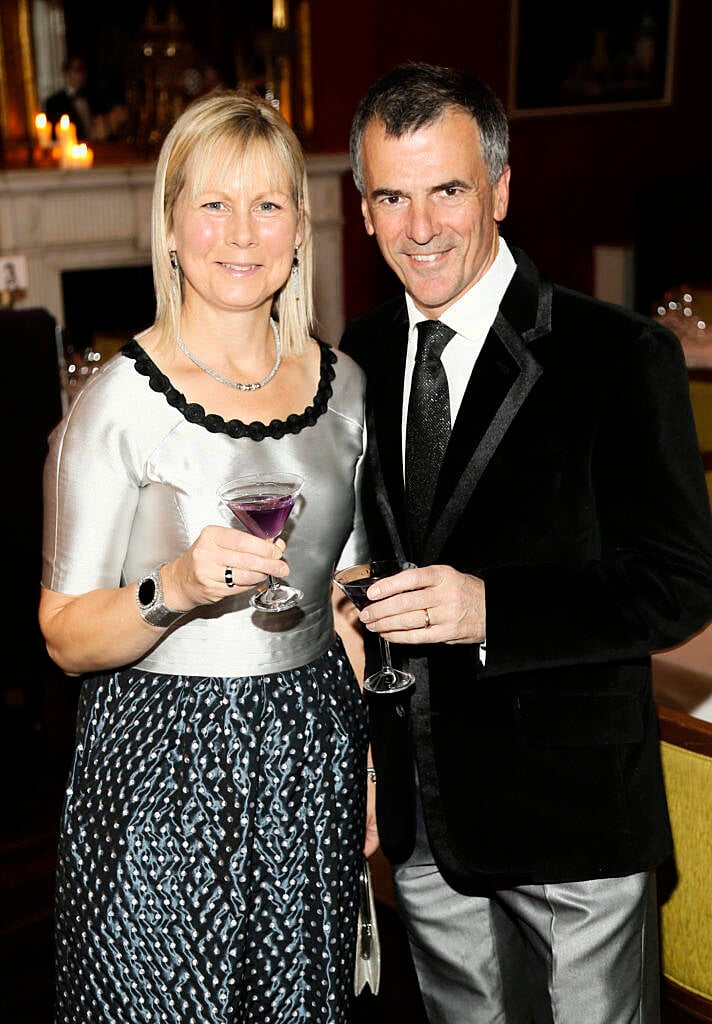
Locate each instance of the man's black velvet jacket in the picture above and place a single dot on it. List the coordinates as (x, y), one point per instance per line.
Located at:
(573, 486)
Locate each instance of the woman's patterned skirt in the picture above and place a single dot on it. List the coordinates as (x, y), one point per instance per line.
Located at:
(209, 850)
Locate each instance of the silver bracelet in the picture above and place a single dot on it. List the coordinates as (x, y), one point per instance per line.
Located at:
(149, 598)
(371, 772)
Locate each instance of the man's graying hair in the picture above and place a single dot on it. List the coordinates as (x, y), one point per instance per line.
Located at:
(414, 95)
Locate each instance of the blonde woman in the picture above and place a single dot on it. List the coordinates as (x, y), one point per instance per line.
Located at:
(216, 807)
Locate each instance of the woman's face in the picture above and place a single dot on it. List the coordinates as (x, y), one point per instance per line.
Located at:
(235, 236)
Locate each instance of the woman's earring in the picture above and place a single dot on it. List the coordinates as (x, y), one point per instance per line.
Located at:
(175, 266)
(295, 273)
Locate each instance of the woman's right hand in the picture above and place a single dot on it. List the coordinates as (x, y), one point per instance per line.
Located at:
(198, 576)
(103, 628)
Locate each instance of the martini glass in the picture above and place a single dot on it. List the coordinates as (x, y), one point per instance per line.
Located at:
(262, 503)
(354, 582)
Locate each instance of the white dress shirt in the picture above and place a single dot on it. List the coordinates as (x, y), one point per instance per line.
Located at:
(471, 318)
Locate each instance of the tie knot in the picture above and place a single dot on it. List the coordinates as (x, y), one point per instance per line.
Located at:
(433, 336)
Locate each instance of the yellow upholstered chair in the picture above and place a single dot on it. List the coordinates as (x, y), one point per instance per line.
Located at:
(686, 898)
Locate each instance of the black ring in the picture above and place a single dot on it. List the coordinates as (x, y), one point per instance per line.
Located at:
(229, 582)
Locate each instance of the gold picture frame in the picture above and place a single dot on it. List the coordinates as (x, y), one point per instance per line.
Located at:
(600, 56)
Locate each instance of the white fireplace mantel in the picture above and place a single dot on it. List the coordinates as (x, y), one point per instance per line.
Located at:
(100, 217)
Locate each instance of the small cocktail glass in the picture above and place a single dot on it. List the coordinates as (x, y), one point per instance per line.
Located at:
(262, 502)
(354, 582)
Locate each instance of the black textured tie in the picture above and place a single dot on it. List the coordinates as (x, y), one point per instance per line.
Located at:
(428, 427)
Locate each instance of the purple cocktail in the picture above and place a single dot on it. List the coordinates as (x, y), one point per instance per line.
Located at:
(264, 515)
(356, 590)
(262, 502)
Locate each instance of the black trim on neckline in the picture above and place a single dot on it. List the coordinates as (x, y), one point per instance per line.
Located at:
(256, 430)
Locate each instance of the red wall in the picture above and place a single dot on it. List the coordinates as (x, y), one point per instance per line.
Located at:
(574, 177)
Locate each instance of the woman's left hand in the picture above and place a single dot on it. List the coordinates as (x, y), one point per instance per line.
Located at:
(371, 842)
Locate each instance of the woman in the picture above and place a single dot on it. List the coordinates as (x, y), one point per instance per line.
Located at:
(215, 813)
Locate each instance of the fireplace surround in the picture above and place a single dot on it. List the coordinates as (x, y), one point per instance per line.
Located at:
(100, 218)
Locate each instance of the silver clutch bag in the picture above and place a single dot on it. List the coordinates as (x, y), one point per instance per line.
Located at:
(368, 946)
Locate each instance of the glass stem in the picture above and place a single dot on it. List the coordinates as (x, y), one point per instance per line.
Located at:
(273, 583)
(385, 656)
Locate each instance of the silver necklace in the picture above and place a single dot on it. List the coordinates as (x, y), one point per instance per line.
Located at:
(232, 383)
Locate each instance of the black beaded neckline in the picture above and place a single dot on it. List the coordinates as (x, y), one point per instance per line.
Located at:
(256, 430)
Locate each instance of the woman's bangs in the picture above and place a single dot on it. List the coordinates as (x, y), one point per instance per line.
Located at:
(235, 163)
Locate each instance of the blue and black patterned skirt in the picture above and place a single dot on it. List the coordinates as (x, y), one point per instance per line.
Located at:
(210, 841)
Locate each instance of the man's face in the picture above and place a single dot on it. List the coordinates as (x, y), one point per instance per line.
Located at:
(429, 203)
(76, 74)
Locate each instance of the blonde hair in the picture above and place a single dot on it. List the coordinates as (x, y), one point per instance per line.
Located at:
(228, 129)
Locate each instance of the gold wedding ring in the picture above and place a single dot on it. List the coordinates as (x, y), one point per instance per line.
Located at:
(427, 618)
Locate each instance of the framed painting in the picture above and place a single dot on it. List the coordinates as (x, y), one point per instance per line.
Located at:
(591, 55)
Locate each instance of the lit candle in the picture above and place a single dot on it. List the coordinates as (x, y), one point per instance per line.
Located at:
(77, 156)
(66, 154)
(66, 132)
(67, 140)
(82, 156)
(44, 131)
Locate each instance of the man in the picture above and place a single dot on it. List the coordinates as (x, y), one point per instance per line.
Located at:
(565, 536)
(72, 99)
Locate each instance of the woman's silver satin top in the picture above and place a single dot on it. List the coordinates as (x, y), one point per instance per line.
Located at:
(132, 477)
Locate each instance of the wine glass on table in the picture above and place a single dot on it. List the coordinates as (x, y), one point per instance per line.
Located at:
(262, 502)
(354, 582)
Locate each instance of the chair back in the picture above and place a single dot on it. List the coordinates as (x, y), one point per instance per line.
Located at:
(701, 398)
(686, 906)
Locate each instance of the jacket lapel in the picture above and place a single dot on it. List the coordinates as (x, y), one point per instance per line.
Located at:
(503, 377)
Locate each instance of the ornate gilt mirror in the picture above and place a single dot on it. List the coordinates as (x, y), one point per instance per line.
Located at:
(147, 61)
